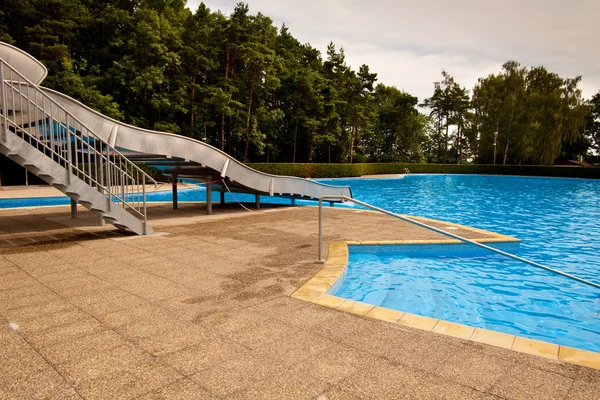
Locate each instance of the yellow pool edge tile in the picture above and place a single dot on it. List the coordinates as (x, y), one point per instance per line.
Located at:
(385, 314)
(493, 338)
(453, 329)
(355, 307)
(418, 321)
(536, 347)
(315, 291)
(580, 357)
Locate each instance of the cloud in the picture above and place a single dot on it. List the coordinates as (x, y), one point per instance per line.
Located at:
(408, 43)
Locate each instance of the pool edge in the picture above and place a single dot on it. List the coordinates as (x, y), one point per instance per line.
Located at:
(315, 291)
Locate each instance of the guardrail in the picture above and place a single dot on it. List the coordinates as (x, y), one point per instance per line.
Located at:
(434, 229)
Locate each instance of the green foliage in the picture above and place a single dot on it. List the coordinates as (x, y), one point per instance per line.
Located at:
(257, 93)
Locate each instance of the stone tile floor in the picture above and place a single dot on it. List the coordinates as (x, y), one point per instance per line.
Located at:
(202, 310)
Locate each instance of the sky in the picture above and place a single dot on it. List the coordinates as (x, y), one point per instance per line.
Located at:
(408, 43)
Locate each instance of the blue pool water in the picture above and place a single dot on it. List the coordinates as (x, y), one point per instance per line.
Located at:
(557, 219)
(472, 286)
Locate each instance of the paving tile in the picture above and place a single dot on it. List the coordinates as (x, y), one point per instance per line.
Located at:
(237, 373)
(473, 368)
(523, 382)
(175, 338)
(287, 385)
(37, 310)
(131, 382)
(107, 302)
(83, 347)
(44, 383)
(65, 332)
(586, 385)
(44, 322)
(105, 363)
(179, 390)
(203, 355)
(336, 363)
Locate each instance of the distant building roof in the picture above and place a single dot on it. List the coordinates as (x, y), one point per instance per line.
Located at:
(574, 163)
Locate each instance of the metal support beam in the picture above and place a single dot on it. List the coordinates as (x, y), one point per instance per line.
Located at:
(101, 221)
(73, 209)
(257, 200)
(174, 183)
(222, 198)
(293, 201)
(208, 198)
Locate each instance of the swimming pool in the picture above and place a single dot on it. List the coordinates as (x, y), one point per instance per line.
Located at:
(557, 219)
(473, 286)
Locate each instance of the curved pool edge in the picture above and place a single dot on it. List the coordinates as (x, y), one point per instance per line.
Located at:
(317, 289)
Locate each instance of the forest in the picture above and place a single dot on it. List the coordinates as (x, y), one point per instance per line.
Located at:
(254, 91)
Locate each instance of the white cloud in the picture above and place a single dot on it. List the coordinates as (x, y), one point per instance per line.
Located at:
(408, 43)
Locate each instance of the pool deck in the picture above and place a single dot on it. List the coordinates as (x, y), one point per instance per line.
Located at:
(204, 309)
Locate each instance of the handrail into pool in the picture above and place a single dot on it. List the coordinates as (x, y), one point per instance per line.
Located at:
(431, 228)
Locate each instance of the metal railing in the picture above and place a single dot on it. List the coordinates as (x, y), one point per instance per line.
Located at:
(29, 113)
(434, 229)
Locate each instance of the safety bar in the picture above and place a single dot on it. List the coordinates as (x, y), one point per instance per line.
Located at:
(431, 228)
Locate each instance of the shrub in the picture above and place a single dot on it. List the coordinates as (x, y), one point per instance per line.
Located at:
(355, 170)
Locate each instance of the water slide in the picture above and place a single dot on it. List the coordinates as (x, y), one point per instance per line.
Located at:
(183, 156)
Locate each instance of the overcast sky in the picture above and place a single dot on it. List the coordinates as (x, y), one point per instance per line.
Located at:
(408, 43)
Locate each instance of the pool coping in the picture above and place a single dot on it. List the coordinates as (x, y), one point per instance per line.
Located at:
(315, 291)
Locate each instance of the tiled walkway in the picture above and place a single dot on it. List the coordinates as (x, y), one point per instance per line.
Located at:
(203, 310)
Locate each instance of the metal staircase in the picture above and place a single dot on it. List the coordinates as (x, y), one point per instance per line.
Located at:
(42, 136)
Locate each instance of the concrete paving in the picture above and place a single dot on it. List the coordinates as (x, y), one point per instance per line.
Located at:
(202, 310)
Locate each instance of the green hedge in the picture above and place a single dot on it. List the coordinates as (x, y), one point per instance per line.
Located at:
(355, 170)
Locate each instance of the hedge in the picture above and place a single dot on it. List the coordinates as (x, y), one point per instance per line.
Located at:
(355, 170)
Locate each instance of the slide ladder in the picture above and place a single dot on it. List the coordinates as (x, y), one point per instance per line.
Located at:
(50, 142)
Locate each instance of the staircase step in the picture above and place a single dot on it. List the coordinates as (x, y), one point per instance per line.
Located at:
(73, 195)
(121, 227)
(110, 219)
(85, 203)
(16, 157)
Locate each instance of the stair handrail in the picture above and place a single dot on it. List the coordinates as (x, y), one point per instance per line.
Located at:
(107, 153)
(437, 230)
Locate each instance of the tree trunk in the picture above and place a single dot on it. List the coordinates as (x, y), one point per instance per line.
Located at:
(296, 132)
(329, 153)
(506, 151)
(460, 152)
(446, 143)
(310, 144)
(352, 128)
(223, 112)
(193, 100)
(439, 157)
(507, 140)
(248, 123)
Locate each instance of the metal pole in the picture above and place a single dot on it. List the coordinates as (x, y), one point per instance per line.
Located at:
(144, 197)
(4, 106)
(257, 201)
(174, 183)
(73, 209)
(209, 198)
(452, 235)
(69, 156)
(222, 197)
(320, 259)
